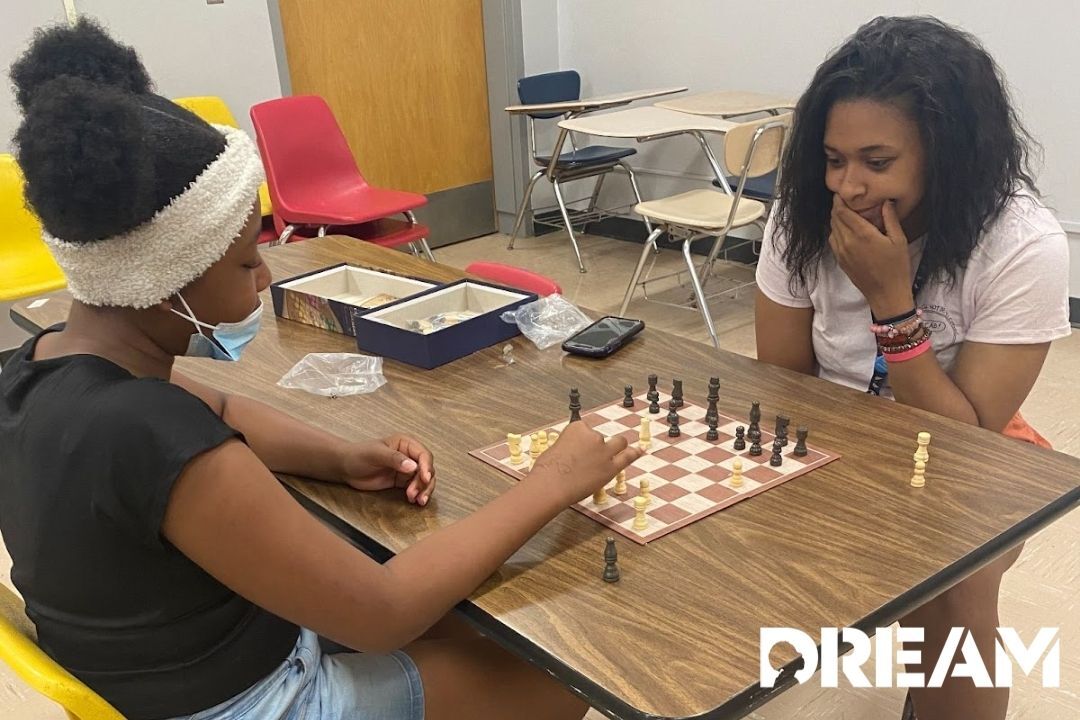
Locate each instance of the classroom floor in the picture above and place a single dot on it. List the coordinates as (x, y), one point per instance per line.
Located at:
(1042, 589)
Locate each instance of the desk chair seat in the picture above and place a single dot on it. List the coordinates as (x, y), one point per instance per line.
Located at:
(753, 149)
(20, 652)
(592, 155)
(760, 188)
(704, 209)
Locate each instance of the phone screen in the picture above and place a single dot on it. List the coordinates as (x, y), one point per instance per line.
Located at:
(604, 331)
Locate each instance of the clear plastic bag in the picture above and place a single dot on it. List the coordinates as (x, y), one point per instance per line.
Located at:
(548, 321)
(335, 374)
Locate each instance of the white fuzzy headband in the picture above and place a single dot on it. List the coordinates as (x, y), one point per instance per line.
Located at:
(150, 263)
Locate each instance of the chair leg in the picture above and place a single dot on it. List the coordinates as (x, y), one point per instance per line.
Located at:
(322, 231)
(650, 243)
(633, 186)
(521, 208)
(285, 235)
(424, 247)
(569, 226)
(596, 191)
(710, 259)
(699, 293)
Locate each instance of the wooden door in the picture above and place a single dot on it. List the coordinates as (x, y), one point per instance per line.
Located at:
(407, 83)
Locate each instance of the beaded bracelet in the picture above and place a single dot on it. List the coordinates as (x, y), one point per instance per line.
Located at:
(919, 349)
(904, 343)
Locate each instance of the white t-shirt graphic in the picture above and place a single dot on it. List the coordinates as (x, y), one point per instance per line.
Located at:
(1014, 290)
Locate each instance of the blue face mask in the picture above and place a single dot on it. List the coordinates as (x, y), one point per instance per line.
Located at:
(226, 340)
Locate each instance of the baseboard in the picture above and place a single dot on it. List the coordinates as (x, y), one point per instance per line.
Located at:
(630, 230)
(1074, 311)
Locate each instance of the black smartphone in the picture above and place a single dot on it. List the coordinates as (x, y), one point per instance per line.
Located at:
(603, 337)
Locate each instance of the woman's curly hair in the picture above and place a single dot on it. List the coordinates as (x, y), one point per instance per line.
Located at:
(977, 151)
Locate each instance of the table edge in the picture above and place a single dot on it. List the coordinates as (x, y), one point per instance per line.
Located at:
(753, 696)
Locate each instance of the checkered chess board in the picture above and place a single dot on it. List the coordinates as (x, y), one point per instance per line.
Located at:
(689, 476)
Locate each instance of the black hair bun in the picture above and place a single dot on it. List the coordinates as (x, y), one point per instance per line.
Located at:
(89, 172)
(83, 50)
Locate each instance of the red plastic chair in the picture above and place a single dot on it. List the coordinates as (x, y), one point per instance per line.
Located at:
(516, 277)
(314, 181)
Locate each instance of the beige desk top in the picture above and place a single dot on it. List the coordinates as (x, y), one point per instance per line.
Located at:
(727, 103)
(598, 102)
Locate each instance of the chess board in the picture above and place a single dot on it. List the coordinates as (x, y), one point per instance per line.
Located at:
(689, 476)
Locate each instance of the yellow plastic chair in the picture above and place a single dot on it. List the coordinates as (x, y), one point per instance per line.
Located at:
(19, 651)
(213, 110)
(26, 265)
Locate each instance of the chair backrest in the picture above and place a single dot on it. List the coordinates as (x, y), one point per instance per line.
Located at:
(20, 652)
(20, 227)
(551, 87)
(515, 277)
(210, 108)
(26, 265)
(303, 149)
(754, 148)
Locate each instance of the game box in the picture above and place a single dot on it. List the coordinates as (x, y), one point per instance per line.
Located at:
(329, 298)
(440, 325)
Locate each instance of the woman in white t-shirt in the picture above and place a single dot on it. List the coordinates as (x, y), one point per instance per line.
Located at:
(909, 256)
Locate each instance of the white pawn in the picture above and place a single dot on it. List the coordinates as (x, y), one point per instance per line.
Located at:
(736, 473)
(542, 437)
(552, 437)
(640, 521)
(620, 483)
(643, 485)
(600, 497)
(644, 435)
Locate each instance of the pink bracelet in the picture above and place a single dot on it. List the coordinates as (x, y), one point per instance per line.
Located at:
(908, 354)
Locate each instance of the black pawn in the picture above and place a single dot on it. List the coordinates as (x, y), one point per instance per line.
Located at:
(654, 403)
(611, 558)
(676, 394)
(713, 434)
(777, 459)
(575, 404)
(800, 442)
(782, 423)
(755, 443)
(673, 423)
(740, 438)
(628, 396)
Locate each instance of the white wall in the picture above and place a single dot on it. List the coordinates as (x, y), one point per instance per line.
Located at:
(191, 48)
(775, 45)
(19, 19)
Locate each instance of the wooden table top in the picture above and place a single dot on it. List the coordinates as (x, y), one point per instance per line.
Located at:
(727, 103)
(850, 544)
(597, 102)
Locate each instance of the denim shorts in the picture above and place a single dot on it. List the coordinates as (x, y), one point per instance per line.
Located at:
(313, 684)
